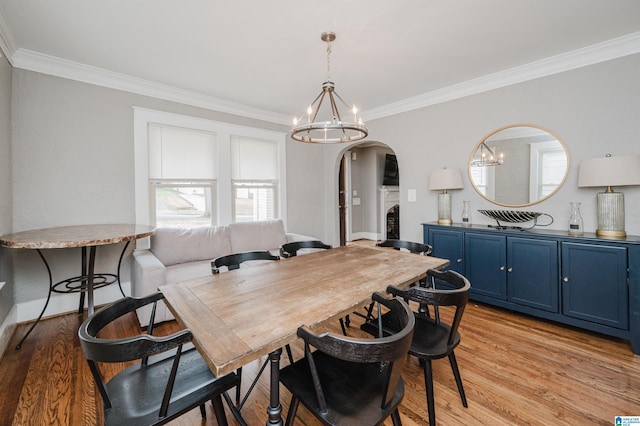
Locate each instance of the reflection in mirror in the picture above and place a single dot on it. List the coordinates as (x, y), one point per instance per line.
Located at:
(519, 165)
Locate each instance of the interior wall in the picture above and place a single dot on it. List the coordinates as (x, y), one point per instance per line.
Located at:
(594, 110)
(72, 154)
(73, 157)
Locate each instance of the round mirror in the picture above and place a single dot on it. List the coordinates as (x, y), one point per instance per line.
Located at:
(518, 165)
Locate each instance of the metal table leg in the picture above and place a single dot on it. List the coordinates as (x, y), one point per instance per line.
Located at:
(86, 283)
(19, 345)
(274, 410)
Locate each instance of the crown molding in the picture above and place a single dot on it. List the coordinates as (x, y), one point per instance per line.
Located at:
(51, 65)
(7, 45)
(601, 52)
(46, 64)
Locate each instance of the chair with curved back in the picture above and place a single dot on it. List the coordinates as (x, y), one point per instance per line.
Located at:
(232, 262)
(349, 380)
(433, 338)
(170, 379)
(410, 246)
(291, 249)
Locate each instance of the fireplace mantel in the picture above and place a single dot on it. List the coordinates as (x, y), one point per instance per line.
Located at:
(389, 197)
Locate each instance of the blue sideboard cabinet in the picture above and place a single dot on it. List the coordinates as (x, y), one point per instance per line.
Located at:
(586, 281)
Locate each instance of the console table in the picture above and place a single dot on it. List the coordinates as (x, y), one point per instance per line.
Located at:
(586, 281)
(84, 236)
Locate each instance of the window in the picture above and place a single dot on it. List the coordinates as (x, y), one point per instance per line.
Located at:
(192, 172)
(553, 165)
(548, 167)
(254, 173)
(182, 176)
(483, 178)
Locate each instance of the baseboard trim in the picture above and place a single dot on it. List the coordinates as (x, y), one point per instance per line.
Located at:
(364, 236)
(66, 303)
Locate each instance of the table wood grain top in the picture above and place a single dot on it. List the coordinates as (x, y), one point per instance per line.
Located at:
(76, 236)
(239, 316)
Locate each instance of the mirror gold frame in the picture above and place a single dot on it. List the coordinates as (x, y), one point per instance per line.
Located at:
(529, 138)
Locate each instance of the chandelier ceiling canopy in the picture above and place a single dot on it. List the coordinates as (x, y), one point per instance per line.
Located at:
(322, 121)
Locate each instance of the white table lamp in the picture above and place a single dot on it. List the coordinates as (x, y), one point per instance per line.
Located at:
(444, 180)
(608, 172)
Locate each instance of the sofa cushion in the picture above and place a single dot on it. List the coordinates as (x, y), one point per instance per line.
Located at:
(263, 235)
(180, 245)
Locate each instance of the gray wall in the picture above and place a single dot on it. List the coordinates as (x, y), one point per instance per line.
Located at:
(73, 163)
(594, 110)
(73, 154)
(6, 294)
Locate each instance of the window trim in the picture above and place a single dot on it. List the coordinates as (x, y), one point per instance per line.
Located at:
(224, 131)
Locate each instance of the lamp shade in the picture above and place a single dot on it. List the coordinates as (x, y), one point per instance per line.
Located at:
(610, 171)
(445, 179)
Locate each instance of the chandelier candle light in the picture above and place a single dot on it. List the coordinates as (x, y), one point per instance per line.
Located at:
(326, 125)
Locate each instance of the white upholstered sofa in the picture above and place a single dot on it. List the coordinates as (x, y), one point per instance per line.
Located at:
(178, 254)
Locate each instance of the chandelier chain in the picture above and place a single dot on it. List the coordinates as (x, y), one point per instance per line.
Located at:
(328, 60)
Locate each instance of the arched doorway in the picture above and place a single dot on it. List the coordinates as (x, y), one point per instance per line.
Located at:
(363, 197)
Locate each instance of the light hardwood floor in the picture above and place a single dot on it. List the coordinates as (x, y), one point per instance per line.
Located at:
(517, 370)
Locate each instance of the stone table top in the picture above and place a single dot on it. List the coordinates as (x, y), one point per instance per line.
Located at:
(76, 236)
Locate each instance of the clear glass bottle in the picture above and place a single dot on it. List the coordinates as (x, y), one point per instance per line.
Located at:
(466, 213)
(576, 226)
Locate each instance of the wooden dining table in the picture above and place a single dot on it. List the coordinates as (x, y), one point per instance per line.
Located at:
(242, 315)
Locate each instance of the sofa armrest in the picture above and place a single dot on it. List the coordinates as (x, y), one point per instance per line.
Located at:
(147, 274)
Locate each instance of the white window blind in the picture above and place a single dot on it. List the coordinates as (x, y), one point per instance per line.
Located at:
(253, 159)
(177, 153)
(254, 174)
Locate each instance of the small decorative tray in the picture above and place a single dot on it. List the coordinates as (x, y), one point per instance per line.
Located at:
(513, 216)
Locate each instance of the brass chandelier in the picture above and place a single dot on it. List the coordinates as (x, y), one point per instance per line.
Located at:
(318, 125)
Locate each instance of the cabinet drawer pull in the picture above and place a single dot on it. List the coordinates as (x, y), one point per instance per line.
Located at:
(459, 260)
(565, 279)
(510, 270)
(502, 268)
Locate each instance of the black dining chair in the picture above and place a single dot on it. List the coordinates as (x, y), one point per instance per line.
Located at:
(291, 249)
(349, 380)
(410, 246)
(403, 245)
(170, 379)
(232, 262)
(433, 338)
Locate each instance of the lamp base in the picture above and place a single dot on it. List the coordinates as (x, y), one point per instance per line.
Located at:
(444, 208)
(610, 234)
(610, 215)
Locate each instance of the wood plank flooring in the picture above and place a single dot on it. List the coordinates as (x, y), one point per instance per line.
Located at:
(517, 370)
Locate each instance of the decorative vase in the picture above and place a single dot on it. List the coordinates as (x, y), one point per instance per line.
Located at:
(575, 220)
(466, 213)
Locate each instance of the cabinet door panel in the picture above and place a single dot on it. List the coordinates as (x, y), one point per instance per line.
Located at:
(533, 273)
(447, 245)
(485, 264)
(594, 284)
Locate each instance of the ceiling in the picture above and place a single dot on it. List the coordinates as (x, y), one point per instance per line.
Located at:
(265, 58)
